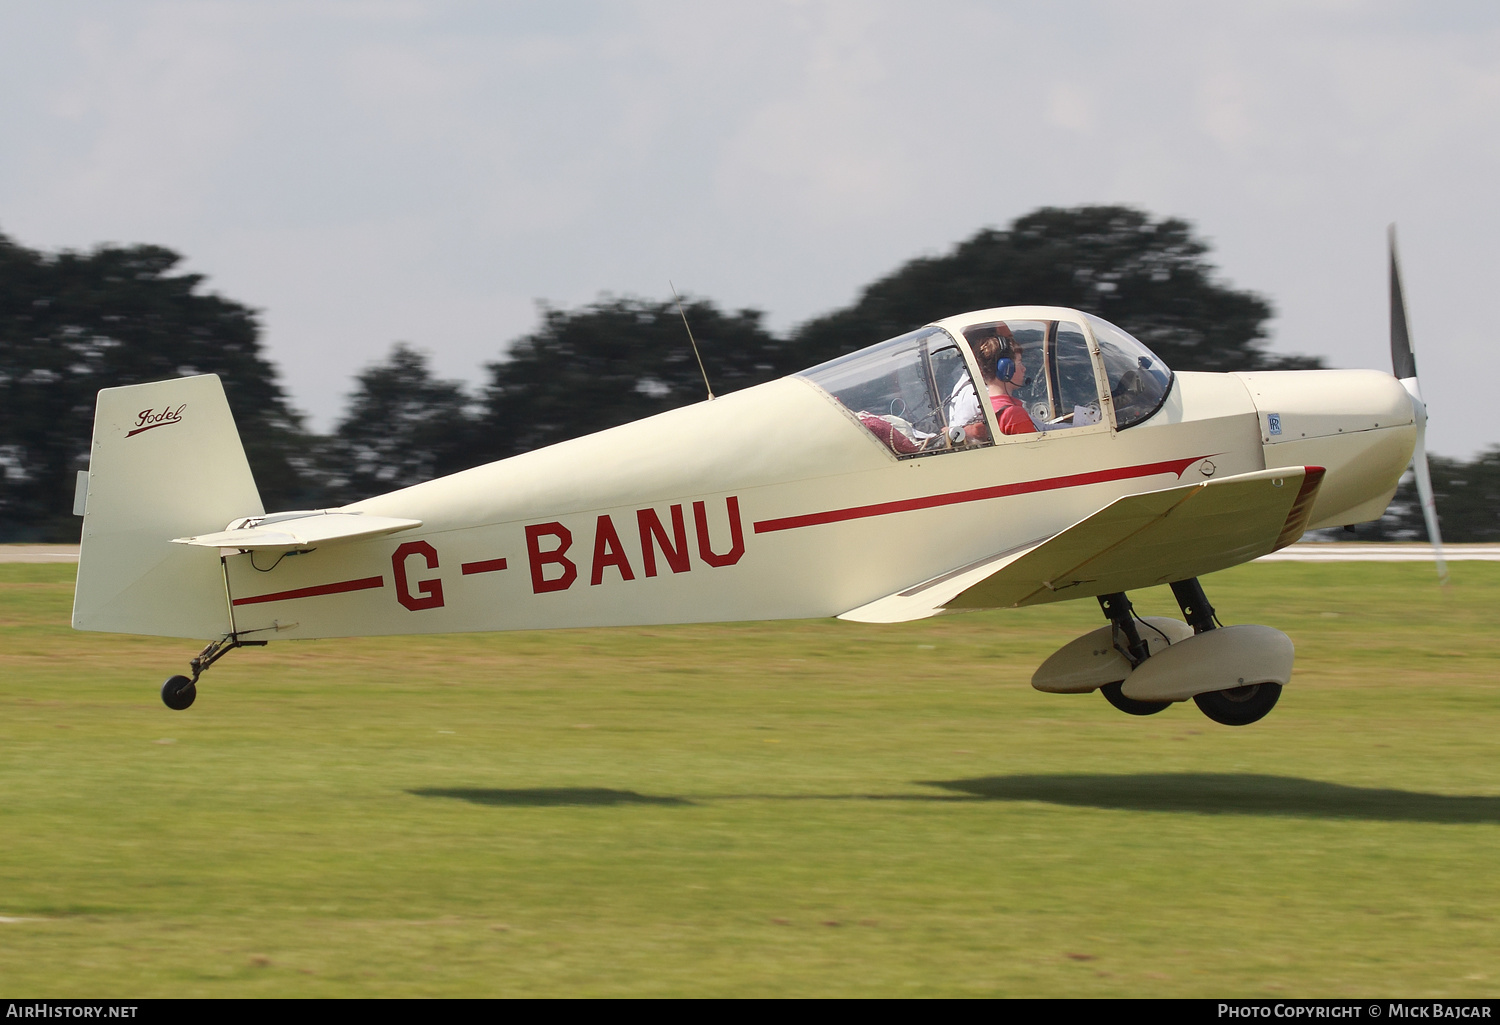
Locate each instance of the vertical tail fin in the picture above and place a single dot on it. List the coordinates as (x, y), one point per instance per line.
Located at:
(166, 462)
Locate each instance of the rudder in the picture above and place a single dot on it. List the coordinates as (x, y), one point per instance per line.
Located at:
(166, 461)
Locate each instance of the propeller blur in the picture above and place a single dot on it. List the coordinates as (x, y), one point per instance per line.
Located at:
(1404, 367)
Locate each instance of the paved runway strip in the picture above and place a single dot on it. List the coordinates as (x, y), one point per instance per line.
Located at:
(1345, 551)
(38, 553)
(1313, 552)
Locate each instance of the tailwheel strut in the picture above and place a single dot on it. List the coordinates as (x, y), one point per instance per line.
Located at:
(179, 692)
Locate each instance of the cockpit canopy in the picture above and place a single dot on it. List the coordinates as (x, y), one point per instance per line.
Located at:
(901, 390)
(920, 393)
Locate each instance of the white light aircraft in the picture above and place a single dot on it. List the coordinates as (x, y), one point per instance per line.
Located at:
(878, 487)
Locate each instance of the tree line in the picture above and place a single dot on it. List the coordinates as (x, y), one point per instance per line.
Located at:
(72, 323)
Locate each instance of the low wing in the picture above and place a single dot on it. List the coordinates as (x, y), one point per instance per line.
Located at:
(1136, 541)
(298, 531)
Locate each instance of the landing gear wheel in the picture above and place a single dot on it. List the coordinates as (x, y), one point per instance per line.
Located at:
(1130, 706)
(178, 692)
(1239, 706)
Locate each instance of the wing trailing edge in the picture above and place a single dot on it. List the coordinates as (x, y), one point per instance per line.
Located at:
(1135, 541)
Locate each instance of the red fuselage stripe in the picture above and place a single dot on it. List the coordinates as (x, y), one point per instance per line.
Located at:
(364, 583)
(488, 566)
(1173, 466)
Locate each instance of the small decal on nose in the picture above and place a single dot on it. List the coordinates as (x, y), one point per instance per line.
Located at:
(1273, 422)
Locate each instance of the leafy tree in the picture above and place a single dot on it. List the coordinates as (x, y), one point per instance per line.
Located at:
(1467, 495)
(616, 361)
(403, 427)
(1150, 277)
(73, 323)
(621, 359)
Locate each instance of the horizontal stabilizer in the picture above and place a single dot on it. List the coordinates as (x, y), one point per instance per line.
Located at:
(299, 530)
(1136, 541)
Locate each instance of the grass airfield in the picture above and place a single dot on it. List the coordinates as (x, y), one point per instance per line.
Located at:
(808, 808)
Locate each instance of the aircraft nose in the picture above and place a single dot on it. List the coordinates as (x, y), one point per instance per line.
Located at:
(1360, 425)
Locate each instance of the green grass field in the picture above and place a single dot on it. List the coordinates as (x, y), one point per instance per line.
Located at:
(756, 809)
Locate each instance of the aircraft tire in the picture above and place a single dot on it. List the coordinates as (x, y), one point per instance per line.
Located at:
(1239, 706)
(178, 692)
(1130, 706)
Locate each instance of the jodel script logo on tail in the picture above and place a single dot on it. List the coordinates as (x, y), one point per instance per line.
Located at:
(150, 419)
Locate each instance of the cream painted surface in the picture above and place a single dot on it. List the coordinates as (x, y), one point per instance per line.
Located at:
(1222, 659)
(1137, 541)
(1089, 662)
(931, 597)
(1363, 469)
(320, 527)
(1319, 403)
(780, 450)
(782, 431)
(1362, 513)
(149, 481)
(770, 448)
(1221, 399)
(1360, 425)
(1204, 415)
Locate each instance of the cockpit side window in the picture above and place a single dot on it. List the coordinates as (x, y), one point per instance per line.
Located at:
(1138, 379)
(1031, 341)
(914, 393)
(1059, 390)
(1077, 388)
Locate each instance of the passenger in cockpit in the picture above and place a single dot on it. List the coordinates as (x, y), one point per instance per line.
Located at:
(1003, 367)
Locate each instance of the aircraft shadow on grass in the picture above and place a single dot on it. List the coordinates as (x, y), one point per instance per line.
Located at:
(1216, 793)
(1199, 793)
(547, 797)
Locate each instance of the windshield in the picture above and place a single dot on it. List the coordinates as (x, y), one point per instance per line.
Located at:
(914, 393)
(1138, 379)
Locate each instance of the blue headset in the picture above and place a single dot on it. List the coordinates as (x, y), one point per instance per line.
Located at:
(1005, 366)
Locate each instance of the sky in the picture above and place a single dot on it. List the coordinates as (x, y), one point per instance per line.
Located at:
(368, 172)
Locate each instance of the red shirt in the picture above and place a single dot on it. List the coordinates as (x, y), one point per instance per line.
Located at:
(1012, 415)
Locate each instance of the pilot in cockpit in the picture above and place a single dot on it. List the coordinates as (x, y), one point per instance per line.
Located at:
(1003, 367)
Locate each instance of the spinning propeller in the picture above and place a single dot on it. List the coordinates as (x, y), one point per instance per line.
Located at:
(1404, 366)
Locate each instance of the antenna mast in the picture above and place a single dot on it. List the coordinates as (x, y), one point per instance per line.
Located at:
(691, 340)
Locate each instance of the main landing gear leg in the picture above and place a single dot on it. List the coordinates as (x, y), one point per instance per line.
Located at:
(1237, 706)
(180, 691)
(1194, 605)
(1121, 614)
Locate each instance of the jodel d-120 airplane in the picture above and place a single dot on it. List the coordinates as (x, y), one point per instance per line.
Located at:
(877, 487)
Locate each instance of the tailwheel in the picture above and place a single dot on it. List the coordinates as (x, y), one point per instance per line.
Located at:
(1239, 706)
(1130, 706)
(178, 692)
